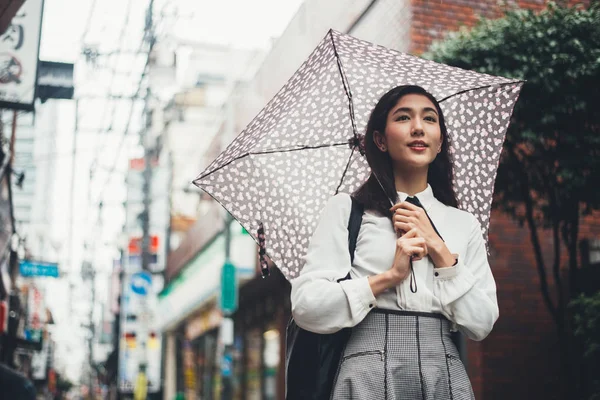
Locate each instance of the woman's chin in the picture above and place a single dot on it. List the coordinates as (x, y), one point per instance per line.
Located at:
(413, 163)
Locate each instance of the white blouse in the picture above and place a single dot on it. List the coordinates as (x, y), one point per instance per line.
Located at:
(464, 293)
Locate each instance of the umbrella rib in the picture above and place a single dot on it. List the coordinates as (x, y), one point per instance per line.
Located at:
(298, 149)
(345, 170)
(269, 152)
(346, 85)
(481, 87)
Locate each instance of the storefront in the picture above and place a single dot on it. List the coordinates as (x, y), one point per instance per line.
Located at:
(194, 354)
(197, 351)
(190, 319)
(258, 352)
(261, 322)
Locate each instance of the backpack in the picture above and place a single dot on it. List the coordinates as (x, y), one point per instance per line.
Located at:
(311, 359)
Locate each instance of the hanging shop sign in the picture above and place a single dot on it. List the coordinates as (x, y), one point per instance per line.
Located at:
(19, 50)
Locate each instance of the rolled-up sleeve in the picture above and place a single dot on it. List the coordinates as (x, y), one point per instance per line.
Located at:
(320, 303)
(467, 291)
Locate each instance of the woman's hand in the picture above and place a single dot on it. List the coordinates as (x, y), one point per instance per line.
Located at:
(409, 245)
(407, 217)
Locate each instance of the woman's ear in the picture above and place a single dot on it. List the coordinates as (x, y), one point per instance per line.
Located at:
(380, 141)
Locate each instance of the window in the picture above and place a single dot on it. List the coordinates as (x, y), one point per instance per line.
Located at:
(590, 252)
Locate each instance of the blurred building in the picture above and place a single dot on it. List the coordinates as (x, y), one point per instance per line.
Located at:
(33, 196)
(28, 267)
(35, 167)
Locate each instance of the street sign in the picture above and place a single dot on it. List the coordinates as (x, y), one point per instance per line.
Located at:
(227, 365)
(228, 289)
(135, 245)
(55, 80)
(141, 283)
(30, 268)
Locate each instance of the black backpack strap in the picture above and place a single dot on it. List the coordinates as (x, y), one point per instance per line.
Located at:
(354, 222)
(312, 359)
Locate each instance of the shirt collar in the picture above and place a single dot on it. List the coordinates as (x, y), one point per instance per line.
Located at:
(425, 197)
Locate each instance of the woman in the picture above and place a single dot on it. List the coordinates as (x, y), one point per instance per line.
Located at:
(402, 312)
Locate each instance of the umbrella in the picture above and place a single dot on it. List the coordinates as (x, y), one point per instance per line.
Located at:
(303, 147)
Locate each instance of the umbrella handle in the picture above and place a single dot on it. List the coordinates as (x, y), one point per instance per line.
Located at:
(262, 250)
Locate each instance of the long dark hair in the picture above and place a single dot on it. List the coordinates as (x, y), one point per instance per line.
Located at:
(439, 176)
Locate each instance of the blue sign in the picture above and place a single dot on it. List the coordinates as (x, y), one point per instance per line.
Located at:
(227, 365)
(141, 283)
(30, 268)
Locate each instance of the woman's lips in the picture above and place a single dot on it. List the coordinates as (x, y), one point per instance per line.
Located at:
(418, 148)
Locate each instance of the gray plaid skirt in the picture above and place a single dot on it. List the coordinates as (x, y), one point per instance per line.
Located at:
(401, 355)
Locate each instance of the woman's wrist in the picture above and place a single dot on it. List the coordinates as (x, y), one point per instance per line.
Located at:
(441, 256)
(381, 282)
(446, 262)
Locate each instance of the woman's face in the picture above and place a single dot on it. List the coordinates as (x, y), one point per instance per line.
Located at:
(413, 137)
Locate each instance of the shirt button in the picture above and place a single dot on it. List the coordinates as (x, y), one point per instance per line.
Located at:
(437, 274)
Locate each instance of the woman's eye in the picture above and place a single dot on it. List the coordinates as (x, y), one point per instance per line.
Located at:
(402, 118)
(430, 119)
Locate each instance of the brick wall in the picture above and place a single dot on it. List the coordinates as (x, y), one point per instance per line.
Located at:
(432, 19)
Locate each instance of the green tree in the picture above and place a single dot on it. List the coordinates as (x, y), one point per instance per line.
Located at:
(549, 171)
(587, 328)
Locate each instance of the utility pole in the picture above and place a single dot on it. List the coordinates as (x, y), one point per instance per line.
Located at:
(145, 140)
(141, 384)
(147, 185)
(148, 151)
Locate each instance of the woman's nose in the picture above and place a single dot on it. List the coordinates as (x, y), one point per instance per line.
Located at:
(417, 128)
(417, 131)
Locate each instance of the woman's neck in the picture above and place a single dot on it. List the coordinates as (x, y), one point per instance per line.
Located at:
(410, 182)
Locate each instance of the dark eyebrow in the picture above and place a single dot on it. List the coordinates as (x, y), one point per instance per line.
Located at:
(409, 110)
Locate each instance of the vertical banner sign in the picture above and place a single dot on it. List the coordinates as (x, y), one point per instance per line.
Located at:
(35, 314)
(140, 340)
(228, 289)
(19, 50)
